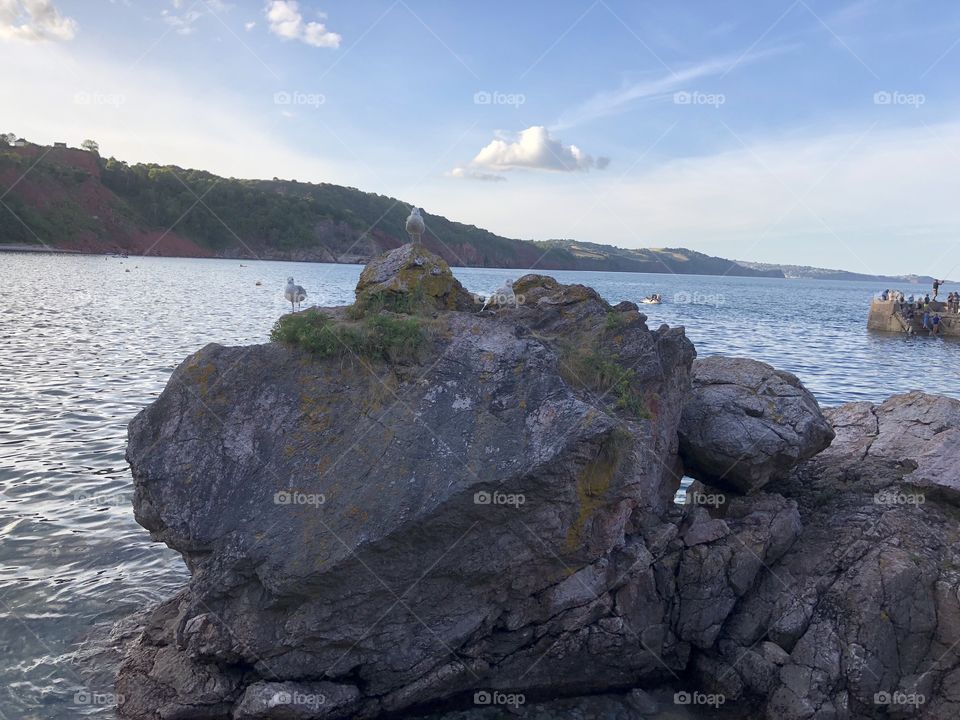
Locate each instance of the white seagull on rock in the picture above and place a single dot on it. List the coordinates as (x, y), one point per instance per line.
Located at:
(503, 295)
(294, 293)
(415, 225)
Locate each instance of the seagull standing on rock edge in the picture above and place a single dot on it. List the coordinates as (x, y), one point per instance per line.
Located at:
(294, 293)
(503, 295)
(415, 225)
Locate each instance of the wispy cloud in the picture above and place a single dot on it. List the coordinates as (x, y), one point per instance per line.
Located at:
(533, 149)
(34, 21)
(613, 101)
(469, 173)
(286, 21)
(184, 21)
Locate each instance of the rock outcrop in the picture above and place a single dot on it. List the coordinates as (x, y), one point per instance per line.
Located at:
(860, 618)
(486, 529)
(747, 423)
(411, 275)
(383, 536)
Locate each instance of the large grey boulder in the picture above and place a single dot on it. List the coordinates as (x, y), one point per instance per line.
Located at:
(915, 429)
(747, 423)
(860, 617)
(387, 535)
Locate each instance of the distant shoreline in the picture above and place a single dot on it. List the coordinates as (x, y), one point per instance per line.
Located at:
(41, 249)
(362, 262)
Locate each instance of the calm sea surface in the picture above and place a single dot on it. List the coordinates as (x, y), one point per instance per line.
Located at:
(86, 342)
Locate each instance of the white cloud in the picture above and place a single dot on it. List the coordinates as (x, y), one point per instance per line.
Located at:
(248, 26)
(286, 21)
(533, 149)
(882, 201)
(34, 21)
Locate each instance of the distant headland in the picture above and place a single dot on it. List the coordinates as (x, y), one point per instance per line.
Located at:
(72, 199)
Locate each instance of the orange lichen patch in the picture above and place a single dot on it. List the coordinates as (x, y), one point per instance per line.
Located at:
(594, 482)
(358, 514)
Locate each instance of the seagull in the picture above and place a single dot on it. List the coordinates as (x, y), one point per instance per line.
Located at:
(503, 295)
(415, 226)
(294, 293)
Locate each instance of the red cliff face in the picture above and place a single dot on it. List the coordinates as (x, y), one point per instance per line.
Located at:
(66, 183)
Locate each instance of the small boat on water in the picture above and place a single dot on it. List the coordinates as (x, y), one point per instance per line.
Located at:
(654, 299)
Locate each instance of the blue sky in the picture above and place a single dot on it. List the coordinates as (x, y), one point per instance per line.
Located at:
(805, 132)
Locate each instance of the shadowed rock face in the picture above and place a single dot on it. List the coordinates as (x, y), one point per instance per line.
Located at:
(747, 423)
(386, 535)
(373, 540)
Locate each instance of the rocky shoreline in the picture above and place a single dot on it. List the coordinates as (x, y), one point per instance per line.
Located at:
(410, 508)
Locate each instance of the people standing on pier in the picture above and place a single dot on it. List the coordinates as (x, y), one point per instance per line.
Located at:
(936, 324)
(936, 287)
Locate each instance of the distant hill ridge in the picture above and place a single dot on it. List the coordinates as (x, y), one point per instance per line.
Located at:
(72, 199)
(815, 273)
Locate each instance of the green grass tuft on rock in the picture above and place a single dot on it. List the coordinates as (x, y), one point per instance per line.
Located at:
(591, 370)
(386, 336)
(407, 303)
